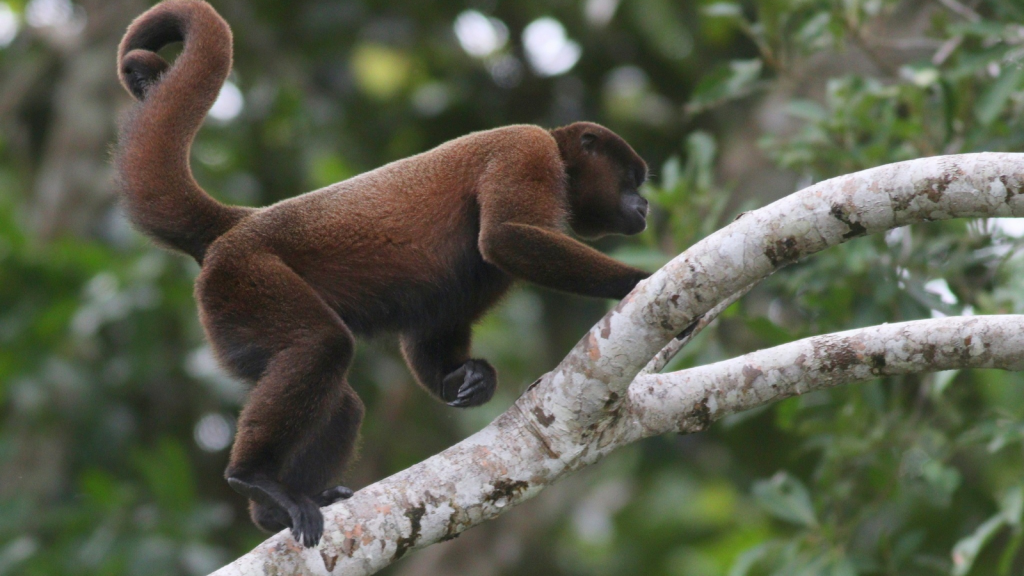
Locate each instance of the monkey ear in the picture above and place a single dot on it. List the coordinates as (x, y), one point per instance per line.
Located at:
(588, 141)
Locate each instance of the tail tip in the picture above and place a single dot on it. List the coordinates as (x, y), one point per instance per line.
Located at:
(141, 70)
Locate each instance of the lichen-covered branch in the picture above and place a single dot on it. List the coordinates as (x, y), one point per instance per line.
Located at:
(580, 411)
(690, 400)
(662, 358)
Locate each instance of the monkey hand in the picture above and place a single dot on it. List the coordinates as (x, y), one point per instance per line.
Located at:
(471, 384)
(640, 277)
(619, 288)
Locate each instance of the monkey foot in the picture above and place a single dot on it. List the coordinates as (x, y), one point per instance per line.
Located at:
(332, 495)
(305, 519)
(476, 380)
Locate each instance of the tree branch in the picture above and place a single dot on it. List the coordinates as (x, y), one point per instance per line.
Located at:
(661, 359)
(690, 400)
(586, 407)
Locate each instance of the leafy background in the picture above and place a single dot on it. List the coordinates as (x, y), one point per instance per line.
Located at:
(115, 420)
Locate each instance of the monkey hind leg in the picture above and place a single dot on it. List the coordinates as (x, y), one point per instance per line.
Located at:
(300, 422)
(316, 467)
(306, 475)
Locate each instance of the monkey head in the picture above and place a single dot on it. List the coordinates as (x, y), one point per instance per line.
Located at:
(603, 177)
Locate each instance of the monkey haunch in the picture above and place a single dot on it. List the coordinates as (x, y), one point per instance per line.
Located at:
(422, 247)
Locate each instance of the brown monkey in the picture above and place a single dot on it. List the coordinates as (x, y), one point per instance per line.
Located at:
(422, 247)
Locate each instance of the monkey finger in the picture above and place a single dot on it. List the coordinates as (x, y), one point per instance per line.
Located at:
(462, 402)
(474, 396)
(453, 382)
(471, 385)
(469, 391)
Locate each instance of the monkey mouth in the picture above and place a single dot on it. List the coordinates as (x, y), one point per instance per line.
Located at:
(636, 225)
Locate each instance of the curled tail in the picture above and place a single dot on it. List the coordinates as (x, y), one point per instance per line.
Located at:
(152, 157)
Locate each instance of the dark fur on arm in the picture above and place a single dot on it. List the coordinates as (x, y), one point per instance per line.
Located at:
(565, 264)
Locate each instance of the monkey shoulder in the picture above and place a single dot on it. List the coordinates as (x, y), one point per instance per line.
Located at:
(523, 146)
(515, 158)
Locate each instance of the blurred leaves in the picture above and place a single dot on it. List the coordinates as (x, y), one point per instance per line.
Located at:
(786, 498)
(380, 71)
(735, 80)
(965, 552)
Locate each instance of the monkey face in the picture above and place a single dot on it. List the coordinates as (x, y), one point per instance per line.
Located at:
(632, 206)
(604, 177)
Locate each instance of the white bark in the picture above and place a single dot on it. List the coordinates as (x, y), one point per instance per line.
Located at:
(594, 401)
(689, 400)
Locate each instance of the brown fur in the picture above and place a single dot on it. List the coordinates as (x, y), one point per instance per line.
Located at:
(422, 247)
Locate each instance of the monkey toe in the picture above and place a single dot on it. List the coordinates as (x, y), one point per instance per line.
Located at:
(255, 491)
(332, 495)
(250, 491)
(307, 524)
(477, 384)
